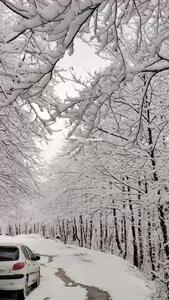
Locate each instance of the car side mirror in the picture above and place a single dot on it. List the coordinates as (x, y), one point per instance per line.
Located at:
(36, 257)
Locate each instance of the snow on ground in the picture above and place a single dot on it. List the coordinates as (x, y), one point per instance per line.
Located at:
(86, 268)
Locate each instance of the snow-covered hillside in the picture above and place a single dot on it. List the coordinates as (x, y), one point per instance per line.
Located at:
(72, 273)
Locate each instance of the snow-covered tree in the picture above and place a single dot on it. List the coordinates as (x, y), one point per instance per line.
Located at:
(19, 160)
(134, 31)
(122, 168)
(122, 112)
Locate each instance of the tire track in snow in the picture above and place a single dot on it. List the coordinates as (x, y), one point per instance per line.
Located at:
(93, 293)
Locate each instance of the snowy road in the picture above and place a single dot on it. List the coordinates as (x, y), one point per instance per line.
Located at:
(72, 273)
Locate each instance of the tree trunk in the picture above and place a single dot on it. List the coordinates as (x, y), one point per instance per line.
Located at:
(75, 235)
(90, 232)
(81, 230)
(124, 227)
(116, 230)
(105, 233)
(135, 249)
(101, 233)
(141, 253)
(150, 245)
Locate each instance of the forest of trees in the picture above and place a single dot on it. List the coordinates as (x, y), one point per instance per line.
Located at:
(110, 189)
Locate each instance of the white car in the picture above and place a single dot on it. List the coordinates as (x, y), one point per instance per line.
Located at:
(19, 269)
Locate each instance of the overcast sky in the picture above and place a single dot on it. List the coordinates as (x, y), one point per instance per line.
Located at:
(83, 60)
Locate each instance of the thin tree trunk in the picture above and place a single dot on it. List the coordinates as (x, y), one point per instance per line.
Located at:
(105, 233)
(140, 238)
(116, 230)
(60, 230)
(135, 249)
(81, 230)
(64, 232)
(150, 245)
(90, 232)
(124, 227)
(75, 235)
(115, 223)
(101, 233)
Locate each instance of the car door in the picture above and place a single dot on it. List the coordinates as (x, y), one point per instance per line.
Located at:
(28, 264)
(33, 266)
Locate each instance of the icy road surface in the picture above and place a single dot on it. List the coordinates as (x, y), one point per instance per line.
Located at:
(72, 273)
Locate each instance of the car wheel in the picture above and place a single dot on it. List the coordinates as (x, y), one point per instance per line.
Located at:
(37, 283)
(21, 295)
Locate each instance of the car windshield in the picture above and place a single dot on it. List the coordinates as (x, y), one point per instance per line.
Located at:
(9, 253)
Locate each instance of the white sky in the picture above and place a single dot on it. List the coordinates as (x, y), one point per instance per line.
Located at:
(83, 60)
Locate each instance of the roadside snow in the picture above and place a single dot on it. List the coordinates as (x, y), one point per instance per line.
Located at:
(53, 288)
(87, 267)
